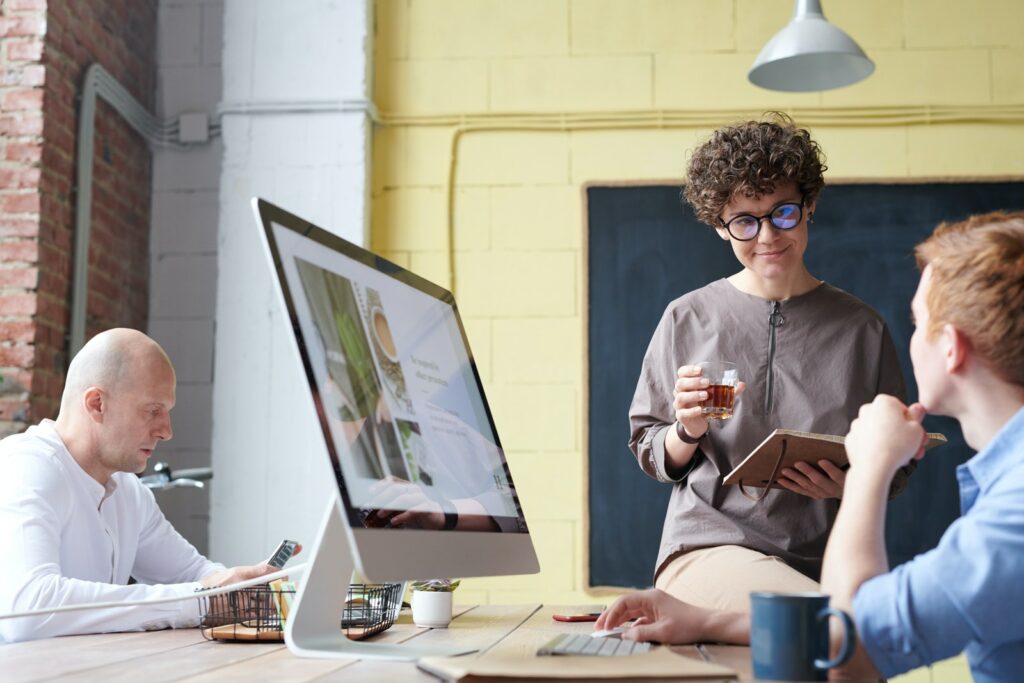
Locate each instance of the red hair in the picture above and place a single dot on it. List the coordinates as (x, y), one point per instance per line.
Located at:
(977, 285)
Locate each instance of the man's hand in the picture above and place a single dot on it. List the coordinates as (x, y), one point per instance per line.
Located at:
(663, 619)
(824, 481)
(886, 435)
(241, 605)
(236, 574)
(660, 618)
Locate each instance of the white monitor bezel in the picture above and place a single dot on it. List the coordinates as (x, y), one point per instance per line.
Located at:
(384, 554)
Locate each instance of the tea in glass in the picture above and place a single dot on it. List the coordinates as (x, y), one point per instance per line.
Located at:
(722, 391)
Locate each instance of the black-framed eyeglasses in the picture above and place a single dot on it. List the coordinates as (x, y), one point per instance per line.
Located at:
(746, 226)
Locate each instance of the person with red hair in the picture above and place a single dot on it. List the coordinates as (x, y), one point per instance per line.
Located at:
(966, 594)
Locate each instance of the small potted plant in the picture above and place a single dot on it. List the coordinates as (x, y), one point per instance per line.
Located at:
(432, 602)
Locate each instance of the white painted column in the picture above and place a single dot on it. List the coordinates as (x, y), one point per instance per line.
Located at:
(291, 72)
(183, 246)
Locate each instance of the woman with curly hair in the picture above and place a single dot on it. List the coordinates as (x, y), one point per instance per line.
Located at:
(810, 353)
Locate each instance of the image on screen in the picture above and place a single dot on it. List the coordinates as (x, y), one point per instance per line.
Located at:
(410, 436)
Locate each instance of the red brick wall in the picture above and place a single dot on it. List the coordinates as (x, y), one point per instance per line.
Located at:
(45, 47)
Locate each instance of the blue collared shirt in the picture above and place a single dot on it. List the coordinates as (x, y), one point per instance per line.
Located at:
(968, 593)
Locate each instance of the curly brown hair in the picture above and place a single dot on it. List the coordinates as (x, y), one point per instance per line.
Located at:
(977, 285)
(752, 159)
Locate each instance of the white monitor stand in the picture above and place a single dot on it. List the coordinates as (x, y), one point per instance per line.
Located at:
(425, 323)
(313, 628)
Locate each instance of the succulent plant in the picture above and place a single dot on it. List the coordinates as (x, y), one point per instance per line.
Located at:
(436, 585)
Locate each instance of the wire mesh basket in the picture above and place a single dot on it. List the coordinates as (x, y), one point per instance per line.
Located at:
(259, 613)
(371, 608)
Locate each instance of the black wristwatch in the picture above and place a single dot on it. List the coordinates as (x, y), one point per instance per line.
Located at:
(686, 438)
(451, 519)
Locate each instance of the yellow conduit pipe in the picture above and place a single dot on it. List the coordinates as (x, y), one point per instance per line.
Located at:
(560, 122)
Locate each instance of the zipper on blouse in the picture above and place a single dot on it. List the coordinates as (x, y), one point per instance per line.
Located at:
(775, 320)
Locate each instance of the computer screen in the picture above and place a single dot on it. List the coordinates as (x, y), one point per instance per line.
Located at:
(424, 486)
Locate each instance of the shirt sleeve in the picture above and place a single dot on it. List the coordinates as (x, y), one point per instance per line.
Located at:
(966, 589)
(164, 556)
(891, 382)
(34, 501)
(890, 373)
(650, 413)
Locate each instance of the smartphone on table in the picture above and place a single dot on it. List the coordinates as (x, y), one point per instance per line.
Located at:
(587, 616)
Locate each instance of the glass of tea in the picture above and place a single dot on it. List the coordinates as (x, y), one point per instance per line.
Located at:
(723, 377)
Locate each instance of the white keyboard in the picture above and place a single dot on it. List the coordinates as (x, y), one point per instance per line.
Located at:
(584, 644)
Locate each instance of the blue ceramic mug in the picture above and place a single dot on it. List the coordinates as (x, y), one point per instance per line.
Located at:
(789, 637)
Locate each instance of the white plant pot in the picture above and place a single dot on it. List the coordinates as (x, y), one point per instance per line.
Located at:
(431, 609)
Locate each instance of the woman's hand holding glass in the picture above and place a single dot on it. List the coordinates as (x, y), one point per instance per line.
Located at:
(688, 397)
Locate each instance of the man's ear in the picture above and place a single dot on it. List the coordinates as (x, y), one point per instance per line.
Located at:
(723, 233)
(95, 402)
(956, 347)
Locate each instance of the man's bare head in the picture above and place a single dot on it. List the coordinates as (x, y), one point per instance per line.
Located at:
(109, 361)
(116, 405)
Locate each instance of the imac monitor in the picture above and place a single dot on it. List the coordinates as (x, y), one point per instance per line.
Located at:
(423, 487)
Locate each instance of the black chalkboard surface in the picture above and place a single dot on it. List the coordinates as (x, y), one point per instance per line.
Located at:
(645, 248)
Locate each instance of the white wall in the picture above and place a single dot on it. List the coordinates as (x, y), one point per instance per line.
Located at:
(183, 246)
(272, 475)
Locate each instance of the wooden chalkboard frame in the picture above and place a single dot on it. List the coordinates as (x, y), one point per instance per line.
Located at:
(608, 590)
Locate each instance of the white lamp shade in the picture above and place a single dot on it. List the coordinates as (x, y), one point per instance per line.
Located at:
(810, 54)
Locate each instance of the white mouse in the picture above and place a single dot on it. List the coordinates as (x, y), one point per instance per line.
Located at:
(609, 632)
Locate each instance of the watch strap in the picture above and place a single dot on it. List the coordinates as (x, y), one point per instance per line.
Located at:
(451, 519)
(685, 437)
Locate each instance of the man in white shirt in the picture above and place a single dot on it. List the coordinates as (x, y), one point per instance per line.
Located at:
(76, 523)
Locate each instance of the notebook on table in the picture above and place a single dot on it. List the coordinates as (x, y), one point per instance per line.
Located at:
(658, 663)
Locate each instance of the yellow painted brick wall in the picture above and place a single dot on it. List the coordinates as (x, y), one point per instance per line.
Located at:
(518, 204)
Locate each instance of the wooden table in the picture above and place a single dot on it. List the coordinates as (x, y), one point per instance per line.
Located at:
(184, 655)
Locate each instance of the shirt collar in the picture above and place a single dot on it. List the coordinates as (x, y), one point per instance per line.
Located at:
(1000, 455)
(97, 491)
(809, 295)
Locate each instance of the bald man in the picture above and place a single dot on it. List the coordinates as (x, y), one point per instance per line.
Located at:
(76, 523)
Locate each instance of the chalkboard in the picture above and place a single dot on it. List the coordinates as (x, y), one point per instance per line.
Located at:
(645, 248)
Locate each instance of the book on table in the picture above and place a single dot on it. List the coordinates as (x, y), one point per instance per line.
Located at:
(659, 663)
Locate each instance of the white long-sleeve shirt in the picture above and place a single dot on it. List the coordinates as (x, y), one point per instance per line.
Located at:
(65, 539)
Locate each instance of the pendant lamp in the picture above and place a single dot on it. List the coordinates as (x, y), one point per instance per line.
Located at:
(810, 54)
